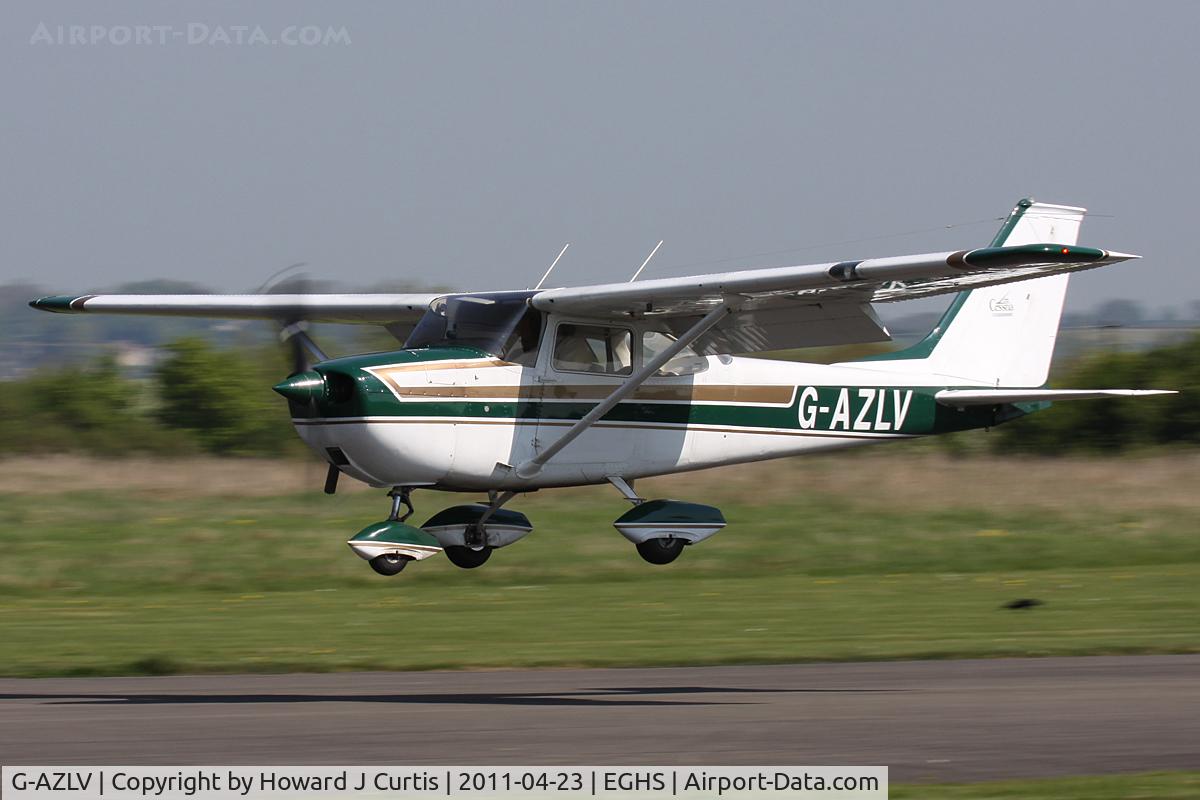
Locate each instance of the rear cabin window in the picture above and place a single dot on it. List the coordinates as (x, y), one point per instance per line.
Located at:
(686, 362)
(593, 348)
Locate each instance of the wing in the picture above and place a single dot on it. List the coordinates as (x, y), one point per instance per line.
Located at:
(817, 304)
(380, 309)
(776, 308)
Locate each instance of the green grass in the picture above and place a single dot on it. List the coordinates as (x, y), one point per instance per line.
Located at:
(1147, 786)
(126, 582)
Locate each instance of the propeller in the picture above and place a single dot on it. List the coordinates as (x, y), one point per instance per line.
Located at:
(303, 384)
(295, 335)
(293, 330)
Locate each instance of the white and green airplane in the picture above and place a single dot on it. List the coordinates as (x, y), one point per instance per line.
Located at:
(511, 392)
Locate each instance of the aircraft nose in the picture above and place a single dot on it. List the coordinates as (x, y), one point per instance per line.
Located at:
(303, 387)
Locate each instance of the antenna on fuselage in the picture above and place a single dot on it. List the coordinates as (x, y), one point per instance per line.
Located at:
(552, 266)
(647, 261)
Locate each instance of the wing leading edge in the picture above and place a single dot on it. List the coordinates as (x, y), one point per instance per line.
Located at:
(354, 308)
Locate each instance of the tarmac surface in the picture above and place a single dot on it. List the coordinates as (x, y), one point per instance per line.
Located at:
(927, 720)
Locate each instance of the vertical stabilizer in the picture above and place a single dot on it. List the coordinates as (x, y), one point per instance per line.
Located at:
(1000, 335)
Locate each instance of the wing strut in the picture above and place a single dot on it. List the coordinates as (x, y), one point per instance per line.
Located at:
(534, 465)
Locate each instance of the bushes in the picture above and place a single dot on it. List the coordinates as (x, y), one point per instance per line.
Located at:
(201, 399)
(223, 398)
(1116, 425)
(208, 399)
(90, 409)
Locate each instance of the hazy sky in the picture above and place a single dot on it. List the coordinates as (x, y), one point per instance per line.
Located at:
(463, 143)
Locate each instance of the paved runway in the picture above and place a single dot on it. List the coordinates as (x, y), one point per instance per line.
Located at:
(929, 721)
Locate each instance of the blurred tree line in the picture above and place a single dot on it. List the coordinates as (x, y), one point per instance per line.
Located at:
(1114, 425)
(201, 398)
(205, 398)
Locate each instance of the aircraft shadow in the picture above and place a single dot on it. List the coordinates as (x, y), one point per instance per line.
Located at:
(589, 697)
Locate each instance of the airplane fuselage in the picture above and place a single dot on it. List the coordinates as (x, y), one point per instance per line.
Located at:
(457, 419)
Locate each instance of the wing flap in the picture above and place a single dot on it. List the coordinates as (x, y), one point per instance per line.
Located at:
(871, 280)
(787, 327)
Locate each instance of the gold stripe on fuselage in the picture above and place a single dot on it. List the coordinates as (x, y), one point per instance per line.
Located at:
(425, 366)
(388, 374)
(716, 393)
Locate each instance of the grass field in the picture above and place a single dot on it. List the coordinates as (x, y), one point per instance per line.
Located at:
(240, 566)
(1145, 786)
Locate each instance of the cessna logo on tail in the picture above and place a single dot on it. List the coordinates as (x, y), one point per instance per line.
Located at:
(874, 410)
(1001, 306)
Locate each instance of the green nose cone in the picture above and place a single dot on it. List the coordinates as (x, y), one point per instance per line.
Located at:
(303, 387)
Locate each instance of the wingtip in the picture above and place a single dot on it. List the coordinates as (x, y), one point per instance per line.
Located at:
(60, 304)
(1119, 256)
(51, 304)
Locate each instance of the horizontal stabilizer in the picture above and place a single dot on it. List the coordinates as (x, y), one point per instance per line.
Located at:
(990, 397)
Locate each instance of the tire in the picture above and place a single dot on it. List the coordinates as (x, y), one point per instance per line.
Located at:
(467, 558)
(661, 551)
(390, 564)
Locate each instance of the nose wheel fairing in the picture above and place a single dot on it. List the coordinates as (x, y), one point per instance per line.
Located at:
(393, 538)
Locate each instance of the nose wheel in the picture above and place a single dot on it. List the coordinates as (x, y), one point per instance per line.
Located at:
(389, 564)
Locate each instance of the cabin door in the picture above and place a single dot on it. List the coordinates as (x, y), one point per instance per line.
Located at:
(583, 363)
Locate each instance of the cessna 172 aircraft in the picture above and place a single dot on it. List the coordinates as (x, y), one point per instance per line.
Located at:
(515, 391)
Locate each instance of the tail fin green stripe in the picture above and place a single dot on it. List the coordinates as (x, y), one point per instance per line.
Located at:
(924, 348)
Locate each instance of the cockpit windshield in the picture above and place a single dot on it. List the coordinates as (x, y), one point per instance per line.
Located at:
(501, 324)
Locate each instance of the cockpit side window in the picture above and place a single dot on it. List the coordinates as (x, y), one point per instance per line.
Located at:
(522, 345)
(593, 348)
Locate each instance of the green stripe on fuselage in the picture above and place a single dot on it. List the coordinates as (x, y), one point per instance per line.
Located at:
(860, 411)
